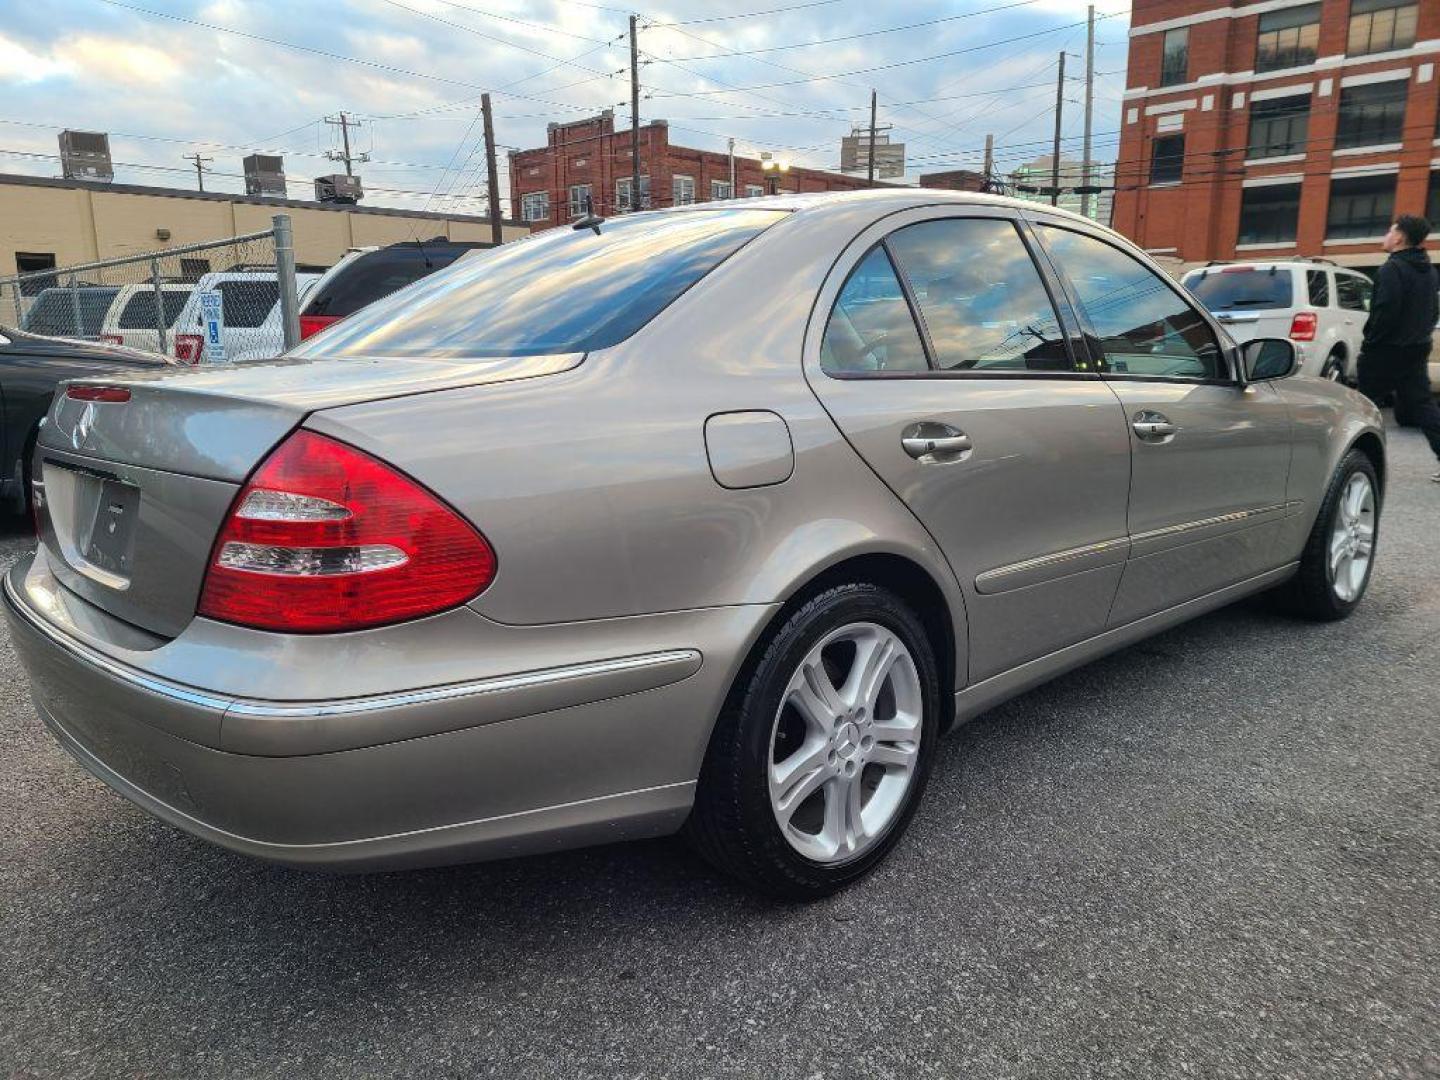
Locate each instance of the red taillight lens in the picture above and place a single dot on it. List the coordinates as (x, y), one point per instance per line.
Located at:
(86, 392)
(1302, 326)
(188, 347)
(112, 339)
(325, 537)
(310, 325)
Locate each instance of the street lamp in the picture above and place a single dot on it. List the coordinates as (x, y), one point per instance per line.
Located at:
(772, 167)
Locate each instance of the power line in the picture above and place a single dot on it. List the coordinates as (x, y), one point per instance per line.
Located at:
(747, 14)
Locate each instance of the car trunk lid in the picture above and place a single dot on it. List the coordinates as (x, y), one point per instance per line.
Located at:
(131, 493)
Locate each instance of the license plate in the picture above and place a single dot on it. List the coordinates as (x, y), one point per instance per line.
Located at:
(112, 530)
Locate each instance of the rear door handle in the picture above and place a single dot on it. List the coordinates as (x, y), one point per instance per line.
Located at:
(933, 443)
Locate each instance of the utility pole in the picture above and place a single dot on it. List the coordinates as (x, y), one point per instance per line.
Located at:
(345, 122)
(1055, 157)
(199, 163)
(732, 168)
(989, 163)
(1089, 108)
(870, 168)
(492, 170)
(634, 116)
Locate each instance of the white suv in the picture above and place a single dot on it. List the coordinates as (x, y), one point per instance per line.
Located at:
(1316, 304)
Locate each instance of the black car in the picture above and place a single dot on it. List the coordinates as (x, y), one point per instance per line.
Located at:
(30, 369)
(364, 276)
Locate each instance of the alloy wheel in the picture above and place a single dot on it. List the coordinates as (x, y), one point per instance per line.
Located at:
(1352, 539)
(845, 743)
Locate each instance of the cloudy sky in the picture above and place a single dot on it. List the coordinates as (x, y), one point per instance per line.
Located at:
(224, 78)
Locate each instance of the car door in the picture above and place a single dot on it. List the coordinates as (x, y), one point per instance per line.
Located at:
(1210, 456)
(937, 350)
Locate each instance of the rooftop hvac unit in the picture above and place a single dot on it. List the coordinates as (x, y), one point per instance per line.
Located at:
(265, 175)
(338, 188)
(85, 155)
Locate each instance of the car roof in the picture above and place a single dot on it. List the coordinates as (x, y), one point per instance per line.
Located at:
(884, 200)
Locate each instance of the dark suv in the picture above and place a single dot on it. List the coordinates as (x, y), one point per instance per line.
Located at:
(365, 275)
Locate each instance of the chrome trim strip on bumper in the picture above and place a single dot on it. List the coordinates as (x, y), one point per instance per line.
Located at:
(238, 707)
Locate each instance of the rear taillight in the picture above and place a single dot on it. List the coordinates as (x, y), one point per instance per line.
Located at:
(112, 339)
(188, 347)
(90, 392)
(310, 325)
(324, 537)
(1302, 326)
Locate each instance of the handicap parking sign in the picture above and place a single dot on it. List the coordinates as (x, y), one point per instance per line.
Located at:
(212, 314)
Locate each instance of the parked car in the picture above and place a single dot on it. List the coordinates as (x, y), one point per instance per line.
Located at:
(30, 369)
(250, 301)
(710, 518)
(1320, 306)
(131, 319)
(77, 313)
(366, 274)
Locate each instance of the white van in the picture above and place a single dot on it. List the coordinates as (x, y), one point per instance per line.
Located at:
(250, 311)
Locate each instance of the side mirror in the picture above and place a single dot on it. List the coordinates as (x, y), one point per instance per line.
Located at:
(1269, 358)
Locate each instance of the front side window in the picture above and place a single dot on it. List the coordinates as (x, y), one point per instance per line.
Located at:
(561, 291)
(980, 296)
(1371, 115)
(579, 200)
(1360, 206)
(682, 190)
(1175, 57)
(535, 206)
(1319, 287)
(1167, 159)
(1144, 328)
(1279, 126)
(1269, 214)
(871, 327)
(1381, 25)
(1432, 200)
(1353, 292)
(1287, 38)
(139, 312)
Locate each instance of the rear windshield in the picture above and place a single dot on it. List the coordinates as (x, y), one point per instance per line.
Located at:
(561, 291)
(139, 313)
(54, 312)
(244, 302)
(371, 276)
(1245, 289)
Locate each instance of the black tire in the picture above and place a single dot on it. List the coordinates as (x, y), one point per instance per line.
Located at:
(733, 825)
(1334, 369)
(1310, 593)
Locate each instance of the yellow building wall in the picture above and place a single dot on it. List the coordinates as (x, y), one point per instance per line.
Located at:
(85, 225)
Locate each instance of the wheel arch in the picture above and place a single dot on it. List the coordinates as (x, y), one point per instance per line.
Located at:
(1371, 445)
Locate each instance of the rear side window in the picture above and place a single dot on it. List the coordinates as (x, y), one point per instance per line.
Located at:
(55, 312)
(139, 313)
(1145, 329)
(1352, 292)
(871, 327)
(1243, 288)
(561, 291)
(1319, 285)
(246, 304)
(980, 296)
(372, 276)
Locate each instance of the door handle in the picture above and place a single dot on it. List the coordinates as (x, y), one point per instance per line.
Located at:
(1153, 427)
(932, 443)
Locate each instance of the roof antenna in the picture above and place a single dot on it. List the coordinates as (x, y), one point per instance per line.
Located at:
(591, 220)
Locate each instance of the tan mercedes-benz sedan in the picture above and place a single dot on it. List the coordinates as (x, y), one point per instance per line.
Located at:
(713, 519)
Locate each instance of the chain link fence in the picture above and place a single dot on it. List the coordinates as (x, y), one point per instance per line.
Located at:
(218, 302)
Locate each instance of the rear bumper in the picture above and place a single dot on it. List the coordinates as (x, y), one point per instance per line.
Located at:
(584, 753)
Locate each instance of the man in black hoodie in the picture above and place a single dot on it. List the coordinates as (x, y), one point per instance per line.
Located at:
(1403, 312)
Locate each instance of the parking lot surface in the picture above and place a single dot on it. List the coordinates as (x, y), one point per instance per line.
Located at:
(1213, 854)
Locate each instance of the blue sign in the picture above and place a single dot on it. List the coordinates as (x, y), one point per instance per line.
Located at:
(212, 314)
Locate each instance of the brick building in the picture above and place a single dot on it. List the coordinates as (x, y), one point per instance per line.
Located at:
(1278, 127)
(589, 158)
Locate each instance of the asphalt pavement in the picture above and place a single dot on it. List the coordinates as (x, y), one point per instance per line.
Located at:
(1215, 854)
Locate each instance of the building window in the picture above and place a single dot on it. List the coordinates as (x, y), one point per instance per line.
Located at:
(1360, 206)
(1381, 25)
(1279, 126)
(754, 191)
(1269, 214)
(682, 190)
(1175, 57)
(1167, 159)
(30, 262)
(579, 200)
(1288, 38)
(1432, 202)
(622, 193)
(1371, 115)
(721, 189)
(535, 206)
